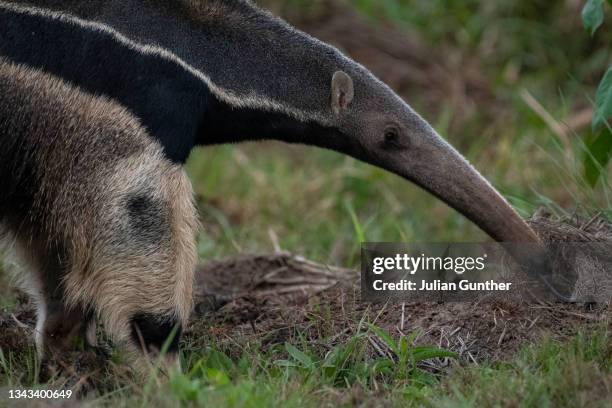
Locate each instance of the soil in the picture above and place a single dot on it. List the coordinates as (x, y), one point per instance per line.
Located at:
(267, 314)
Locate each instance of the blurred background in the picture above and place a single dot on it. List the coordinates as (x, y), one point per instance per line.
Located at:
(511, 84)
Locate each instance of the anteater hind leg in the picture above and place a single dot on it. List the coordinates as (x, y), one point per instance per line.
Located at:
(59, 328)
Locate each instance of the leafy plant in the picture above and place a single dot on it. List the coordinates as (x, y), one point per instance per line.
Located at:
(342, 366)
(347, 363)
(599, 144)
(407, 356)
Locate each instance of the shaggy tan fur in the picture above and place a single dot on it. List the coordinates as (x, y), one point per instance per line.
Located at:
(88, 156)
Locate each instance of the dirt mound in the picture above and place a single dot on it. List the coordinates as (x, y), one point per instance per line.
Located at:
(581, 253)
(273, 297)
(268, 317)
(15, 328)
(574, 228)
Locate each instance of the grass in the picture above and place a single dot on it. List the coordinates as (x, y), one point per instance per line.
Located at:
(574, 372)
(571, 373)
(321, 204)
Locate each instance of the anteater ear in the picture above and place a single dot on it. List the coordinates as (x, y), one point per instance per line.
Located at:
(342, 92)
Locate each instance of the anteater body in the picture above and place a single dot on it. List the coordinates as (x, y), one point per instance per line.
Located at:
(102, 220)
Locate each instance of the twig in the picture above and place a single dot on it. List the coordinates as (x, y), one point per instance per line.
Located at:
(591, 221)
(501, 338)
(533, 322)
(297, 288)
(567, 312)
(377, 347)
(274, 239)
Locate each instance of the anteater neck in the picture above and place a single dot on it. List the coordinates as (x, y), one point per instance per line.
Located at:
(227, 124)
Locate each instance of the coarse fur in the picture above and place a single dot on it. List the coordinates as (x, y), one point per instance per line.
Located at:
(179, 105)
(245, 55)
(103, 223)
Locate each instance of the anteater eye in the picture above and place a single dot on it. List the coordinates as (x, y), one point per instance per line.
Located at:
(391, 137)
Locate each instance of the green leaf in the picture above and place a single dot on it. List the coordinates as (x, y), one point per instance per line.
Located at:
(285, 363)
(599, 150)
(219, 360)
(426, 352)
(383, 366)
(299, 356)
(592, 15)
(217, 377)
(403, 346)
(603, 101)
(332, 358)
(185, 388)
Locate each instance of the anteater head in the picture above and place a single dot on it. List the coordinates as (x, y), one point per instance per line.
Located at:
(378, 127)
(292, 87)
